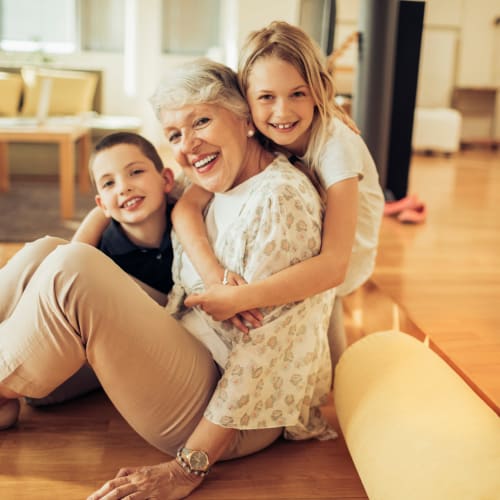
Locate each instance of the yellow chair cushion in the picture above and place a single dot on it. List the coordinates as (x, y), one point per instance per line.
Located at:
(72, 92)
(11, 86)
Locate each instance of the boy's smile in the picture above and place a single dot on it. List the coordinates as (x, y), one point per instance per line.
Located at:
(132, 203)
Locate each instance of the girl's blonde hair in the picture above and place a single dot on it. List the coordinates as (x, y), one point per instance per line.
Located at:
(200, 81)
(291, 44)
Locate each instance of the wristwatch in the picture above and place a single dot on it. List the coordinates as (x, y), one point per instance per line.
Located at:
(193, 461)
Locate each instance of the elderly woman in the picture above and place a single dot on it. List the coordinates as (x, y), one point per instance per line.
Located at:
(76, 306)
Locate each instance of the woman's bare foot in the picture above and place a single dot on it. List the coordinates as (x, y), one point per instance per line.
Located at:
(9, 413)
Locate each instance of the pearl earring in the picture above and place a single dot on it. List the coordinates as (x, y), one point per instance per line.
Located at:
(250, 133)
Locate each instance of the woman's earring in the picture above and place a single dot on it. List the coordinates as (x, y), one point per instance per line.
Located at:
(250, 133)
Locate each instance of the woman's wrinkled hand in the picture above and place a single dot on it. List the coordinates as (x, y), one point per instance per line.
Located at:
(166, 481)
(220, 302)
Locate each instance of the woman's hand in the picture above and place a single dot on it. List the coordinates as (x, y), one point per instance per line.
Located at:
(220, 302)
(166, 481)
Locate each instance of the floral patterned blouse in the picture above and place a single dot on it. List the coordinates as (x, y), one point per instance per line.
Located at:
(280, 374)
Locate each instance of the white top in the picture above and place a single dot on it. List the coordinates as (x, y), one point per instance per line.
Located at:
(280, 374)
(344, 156)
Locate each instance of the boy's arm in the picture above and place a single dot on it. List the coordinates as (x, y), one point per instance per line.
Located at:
(187, 219)
(91, 229)
(309, 277)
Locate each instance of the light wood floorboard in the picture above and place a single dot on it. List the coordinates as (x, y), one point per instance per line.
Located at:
(445, 277)
(446, 273)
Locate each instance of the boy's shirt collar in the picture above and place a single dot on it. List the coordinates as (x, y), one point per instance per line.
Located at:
(115, 241)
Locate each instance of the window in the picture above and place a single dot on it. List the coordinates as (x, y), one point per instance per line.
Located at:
(59, 26)
(102, 24)
(190, 26)
(31, 25)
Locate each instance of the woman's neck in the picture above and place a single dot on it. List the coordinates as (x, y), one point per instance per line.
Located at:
(256, 160)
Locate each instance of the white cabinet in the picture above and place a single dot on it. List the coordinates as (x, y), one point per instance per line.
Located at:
(477, 87)
(479, 109)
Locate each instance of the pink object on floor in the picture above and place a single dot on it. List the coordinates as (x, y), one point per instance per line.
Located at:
(416, 215)
(410, 202)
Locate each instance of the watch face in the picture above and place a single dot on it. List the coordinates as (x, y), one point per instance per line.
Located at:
(198, 460)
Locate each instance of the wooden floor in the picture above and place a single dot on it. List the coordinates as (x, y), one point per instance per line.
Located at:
(444, 276)
(446, 273)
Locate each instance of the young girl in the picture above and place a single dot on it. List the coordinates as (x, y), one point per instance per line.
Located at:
(291, 98)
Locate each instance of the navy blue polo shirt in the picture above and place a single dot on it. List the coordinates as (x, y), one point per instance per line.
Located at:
(152, 266)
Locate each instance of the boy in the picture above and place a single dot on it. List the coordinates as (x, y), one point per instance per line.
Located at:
(131, 184)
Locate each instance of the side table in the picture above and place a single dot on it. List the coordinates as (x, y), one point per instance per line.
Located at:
(66, 135)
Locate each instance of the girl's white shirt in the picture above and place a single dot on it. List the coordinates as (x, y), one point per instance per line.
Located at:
(345, 155)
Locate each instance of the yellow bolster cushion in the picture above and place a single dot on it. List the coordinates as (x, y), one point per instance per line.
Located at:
(72, 92)
(11, 86)
(414, 428)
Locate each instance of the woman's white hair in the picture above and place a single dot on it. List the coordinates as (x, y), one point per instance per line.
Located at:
(201, 81)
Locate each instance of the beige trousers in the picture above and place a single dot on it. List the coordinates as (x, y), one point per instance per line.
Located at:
(62, 305)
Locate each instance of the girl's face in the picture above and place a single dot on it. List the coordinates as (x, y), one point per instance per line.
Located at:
(130, 189)
(209, 142)
(281, 103)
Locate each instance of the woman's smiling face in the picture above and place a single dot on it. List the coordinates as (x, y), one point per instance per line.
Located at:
(209, 142)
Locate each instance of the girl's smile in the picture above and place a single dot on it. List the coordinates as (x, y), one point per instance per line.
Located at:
(284, 126)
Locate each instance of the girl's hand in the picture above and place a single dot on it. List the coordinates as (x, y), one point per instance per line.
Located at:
(166, 481)
(92, 227)
(220, 302)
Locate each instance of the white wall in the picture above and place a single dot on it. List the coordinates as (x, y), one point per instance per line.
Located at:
(458, 47)
(240, 17)
(439, 52)
(477, 57)
(256, 14)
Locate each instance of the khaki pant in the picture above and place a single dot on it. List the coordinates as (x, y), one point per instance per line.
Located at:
(62, 305)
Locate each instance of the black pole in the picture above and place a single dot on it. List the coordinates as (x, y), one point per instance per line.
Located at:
(372, 104)
(332, 23)
(384, 102)
(404, 96)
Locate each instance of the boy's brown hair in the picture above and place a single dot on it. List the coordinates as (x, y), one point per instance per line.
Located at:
(146, 148)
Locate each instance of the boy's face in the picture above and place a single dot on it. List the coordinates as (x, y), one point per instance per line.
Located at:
(129, 187)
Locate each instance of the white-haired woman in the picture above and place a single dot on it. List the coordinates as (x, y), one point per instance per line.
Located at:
(193, 387)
